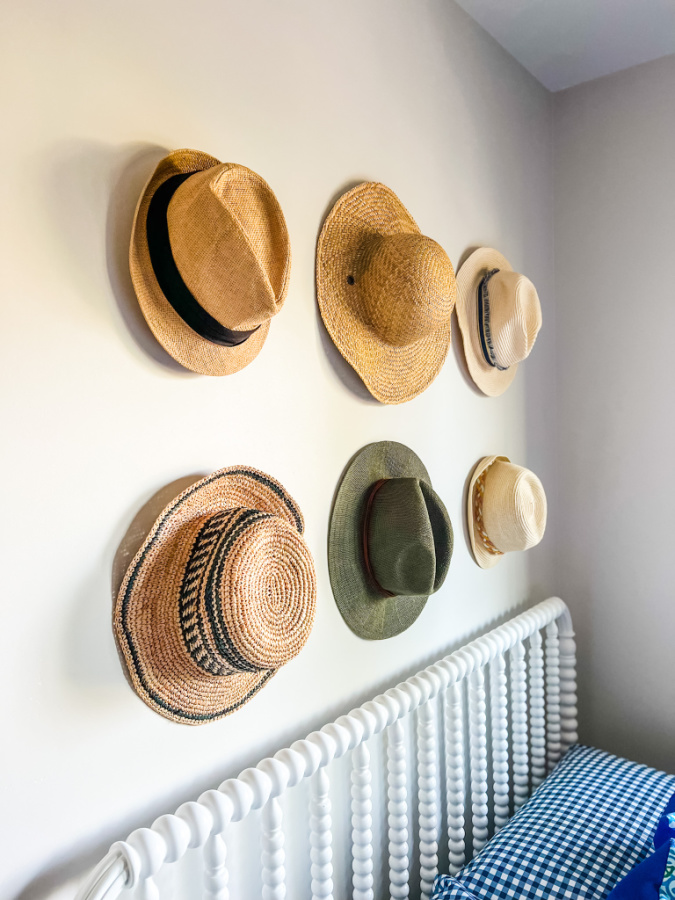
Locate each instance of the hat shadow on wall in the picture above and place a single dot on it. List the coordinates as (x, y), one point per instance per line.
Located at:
(89, 661)
(134, 167)
(457, 340)
(93, 189)
(339, 364)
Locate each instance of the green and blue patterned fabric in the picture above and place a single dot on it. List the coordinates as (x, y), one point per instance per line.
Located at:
(654, 877)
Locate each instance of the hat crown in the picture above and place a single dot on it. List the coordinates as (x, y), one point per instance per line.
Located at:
(407, 284)
(409, 537)
(515, 316)
(230, 243)
(248, 594)
(514, 507)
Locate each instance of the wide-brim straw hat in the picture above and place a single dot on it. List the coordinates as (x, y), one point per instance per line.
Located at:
(506, 510)
(227, 267)
(371, 612)
(385, 291)
(221, 594)
(519, 314)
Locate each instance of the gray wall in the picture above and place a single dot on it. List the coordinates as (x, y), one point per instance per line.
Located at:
(615, 300)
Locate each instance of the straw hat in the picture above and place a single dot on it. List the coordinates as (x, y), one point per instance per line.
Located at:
(390, 541)
(506, 510)
(499, 316)
(386, 293)
(210, 261)
(221, 594)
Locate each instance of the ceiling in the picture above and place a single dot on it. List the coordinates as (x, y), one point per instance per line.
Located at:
(565, 42)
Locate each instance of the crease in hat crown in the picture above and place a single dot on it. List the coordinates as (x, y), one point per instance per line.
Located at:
(209, 239)
(515, 316)
(385, 291)
(397, 276)
(499, 316)
(507, 510)
(210, 261)
(408, 537)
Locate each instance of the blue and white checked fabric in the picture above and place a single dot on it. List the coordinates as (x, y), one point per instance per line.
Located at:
(582, 830)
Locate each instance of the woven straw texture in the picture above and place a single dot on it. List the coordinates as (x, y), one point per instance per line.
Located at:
(386, 293)
(490, 380)
(369, 614)
(230, 243)
(506, 510)
(221, 594)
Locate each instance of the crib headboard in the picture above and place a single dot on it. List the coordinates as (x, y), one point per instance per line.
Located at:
(488, 722)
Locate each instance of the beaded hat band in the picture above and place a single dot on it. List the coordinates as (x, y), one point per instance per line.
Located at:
(221, 594)
(506, 510)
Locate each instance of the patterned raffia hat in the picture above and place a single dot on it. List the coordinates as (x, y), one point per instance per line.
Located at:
(390, 541)
(386, 293)
(506, 510)
(210, 260)
(221, 594)
(499, 316)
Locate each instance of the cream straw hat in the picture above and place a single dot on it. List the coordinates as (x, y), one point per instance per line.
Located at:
(506, 510)
(386, 293)
(210, 260)
(499, 316)
(221, 594)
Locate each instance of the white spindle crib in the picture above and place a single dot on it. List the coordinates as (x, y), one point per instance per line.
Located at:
(480, 773)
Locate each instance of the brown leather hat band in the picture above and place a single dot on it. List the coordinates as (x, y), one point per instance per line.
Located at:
(171, 281)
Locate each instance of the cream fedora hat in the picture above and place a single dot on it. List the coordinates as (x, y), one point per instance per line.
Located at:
(210, 261)
(499, 316)
(506, 510)
(385, 291)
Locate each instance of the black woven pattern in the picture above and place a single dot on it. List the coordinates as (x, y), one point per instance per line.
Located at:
(202, 579)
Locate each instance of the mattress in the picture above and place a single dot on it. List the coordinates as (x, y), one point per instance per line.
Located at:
(586, 826)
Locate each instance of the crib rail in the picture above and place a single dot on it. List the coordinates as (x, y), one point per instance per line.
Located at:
(496, 746)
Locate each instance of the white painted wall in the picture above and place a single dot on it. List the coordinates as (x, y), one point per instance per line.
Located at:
(95, 418)
(614, 245)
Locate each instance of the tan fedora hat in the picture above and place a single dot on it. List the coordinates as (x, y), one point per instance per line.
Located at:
(221, 594)
(210, 261)
(499, 316)
(506, 510)
(386, 293)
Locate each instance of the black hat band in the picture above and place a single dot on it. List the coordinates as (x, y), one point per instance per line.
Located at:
(169, 278)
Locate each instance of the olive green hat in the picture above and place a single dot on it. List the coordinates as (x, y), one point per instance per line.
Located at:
(389, 543)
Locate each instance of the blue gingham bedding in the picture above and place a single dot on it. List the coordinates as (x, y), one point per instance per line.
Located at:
(582, 830)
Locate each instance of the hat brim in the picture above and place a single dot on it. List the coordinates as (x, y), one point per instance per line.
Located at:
(490, 380)
(391, 374)
(187, 347)
(146, 621)
(483, 557)
(362, 606)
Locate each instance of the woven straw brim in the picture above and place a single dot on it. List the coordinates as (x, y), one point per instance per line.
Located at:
(489, 379)
(483, 557)
(146, 617)
(364, 609)
(391, 374)
(177, 338)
